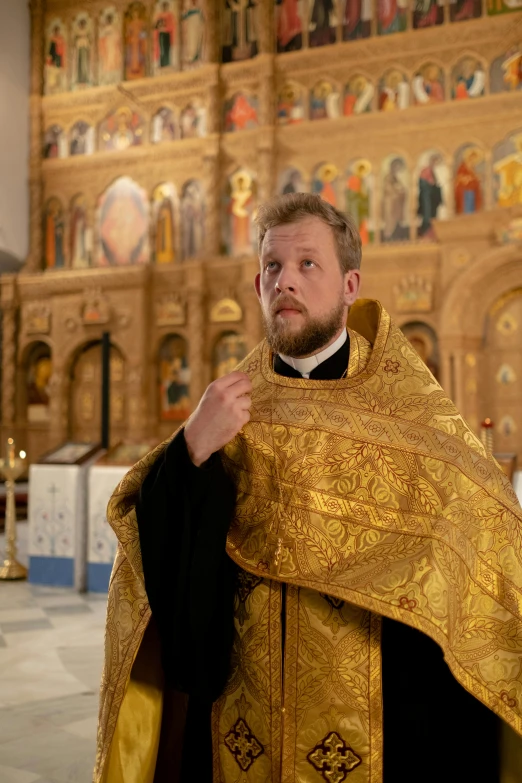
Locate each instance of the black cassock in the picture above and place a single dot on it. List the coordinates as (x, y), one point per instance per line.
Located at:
(434, 731)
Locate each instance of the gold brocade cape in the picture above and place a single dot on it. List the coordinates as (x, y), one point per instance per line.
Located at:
(369, 490)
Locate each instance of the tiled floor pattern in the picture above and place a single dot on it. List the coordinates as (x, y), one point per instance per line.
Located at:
(51, 648)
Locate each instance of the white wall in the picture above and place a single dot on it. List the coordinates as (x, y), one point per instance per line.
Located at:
(14, 126)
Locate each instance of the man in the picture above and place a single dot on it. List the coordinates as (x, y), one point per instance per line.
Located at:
(325, 484)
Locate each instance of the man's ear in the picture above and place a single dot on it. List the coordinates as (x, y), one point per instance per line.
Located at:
(352, 281)
(257, 285)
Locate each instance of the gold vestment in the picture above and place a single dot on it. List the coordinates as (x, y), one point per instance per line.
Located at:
(366, 496)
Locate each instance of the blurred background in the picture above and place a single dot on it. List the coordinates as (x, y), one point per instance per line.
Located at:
(136, 141)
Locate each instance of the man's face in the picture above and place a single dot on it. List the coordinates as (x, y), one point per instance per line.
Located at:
(303, 292)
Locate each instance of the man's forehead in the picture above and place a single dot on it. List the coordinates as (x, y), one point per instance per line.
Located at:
(306, 234)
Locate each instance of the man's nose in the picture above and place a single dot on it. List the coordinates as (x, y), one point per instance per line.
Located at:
(286, 281)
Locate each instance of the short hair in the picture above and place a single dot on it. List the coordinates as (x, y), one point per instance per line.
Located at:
(293, 207)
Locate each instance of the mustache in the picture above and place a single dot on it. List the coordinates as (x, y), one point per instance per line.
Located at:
(286, 301)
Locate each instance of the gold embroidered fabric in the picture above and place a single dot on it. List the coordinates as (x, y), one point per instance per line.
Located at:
(314, 723)
(388, 503)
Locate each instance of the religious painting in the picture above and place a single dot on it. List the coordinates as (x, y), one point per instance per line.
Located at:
(425, 342)
(469, 179)
(290, 104)
(174, 379)
(80, 235)
(467, 79)
(506, 71)
(428, 85)
(241, 112)
(507, 171)
(110, 53)
(123, 225)
(434, 192)
(82, 55)
(394, 91)
(507, 426)
(136, 41)
(460, 10)
(358, 96)
(38, 380)
(239, 30)
(82, 138)
(395, 199)
(192, 34)
(55, 143)
(358, 198)
(289, 25)
(229, 350)
(56, 58)
(427, 13)
(193, 121)
(166, 53)
(357, 19)
(290, 181)
(392, 16)
(165, 126)
(240, 203)
(324, 182)
(497, 7)
(164, 201)
(323, 22)
(122, 129)
(54, 250)
(192, 209)
(505, 375)
(324, 101)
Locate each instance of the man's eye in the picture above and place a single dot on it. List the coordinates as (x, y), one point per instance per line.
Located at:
(271, 265)
(308, 263)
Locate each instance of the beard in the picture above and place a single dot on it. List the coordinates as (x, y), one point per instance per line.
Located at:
(314, 335)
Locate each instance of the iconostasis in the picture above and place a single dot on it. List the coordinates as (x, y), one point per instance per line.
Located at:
(158, 128)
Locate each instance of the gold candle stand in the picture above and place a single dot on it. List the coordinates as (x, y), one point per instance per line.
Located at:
(486, 435)
(11, 468)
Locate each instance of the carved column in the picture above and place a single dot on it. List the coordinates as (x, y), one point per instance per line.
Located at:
(196, 343)
(266, 167)
(251, 308)
(458, 358)
(136, 394)
(8, 363)
(214, 106)
(213, 31)
(265, 27)
(213, 201)
(267, 103)
(58, 402)
(35, 154)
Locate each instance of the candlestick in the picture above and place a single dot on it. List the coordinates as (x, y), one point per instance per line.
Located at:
(11, 452)
(11, 468)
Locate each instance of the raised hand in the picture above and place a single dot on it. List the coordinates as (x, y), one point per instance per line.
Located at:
(223, 410)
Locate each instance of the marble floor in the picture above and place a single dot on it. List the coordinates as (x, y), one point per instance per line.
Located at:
(51, 649)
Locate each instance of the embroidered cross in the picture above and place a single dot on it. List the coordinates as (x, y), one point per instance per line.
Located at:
(333, 758)
(243, 745)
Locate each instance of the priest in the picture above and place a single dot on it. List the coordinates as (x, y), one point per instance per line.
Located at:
(318, 577)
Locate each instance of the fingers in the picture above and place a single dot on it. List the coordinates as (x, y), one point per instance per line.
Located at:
(239, 389)
(229, 380)
(244, 403)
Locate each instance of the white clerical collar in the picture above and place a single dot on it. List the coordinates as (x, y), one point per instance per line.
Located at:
(305, 366)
